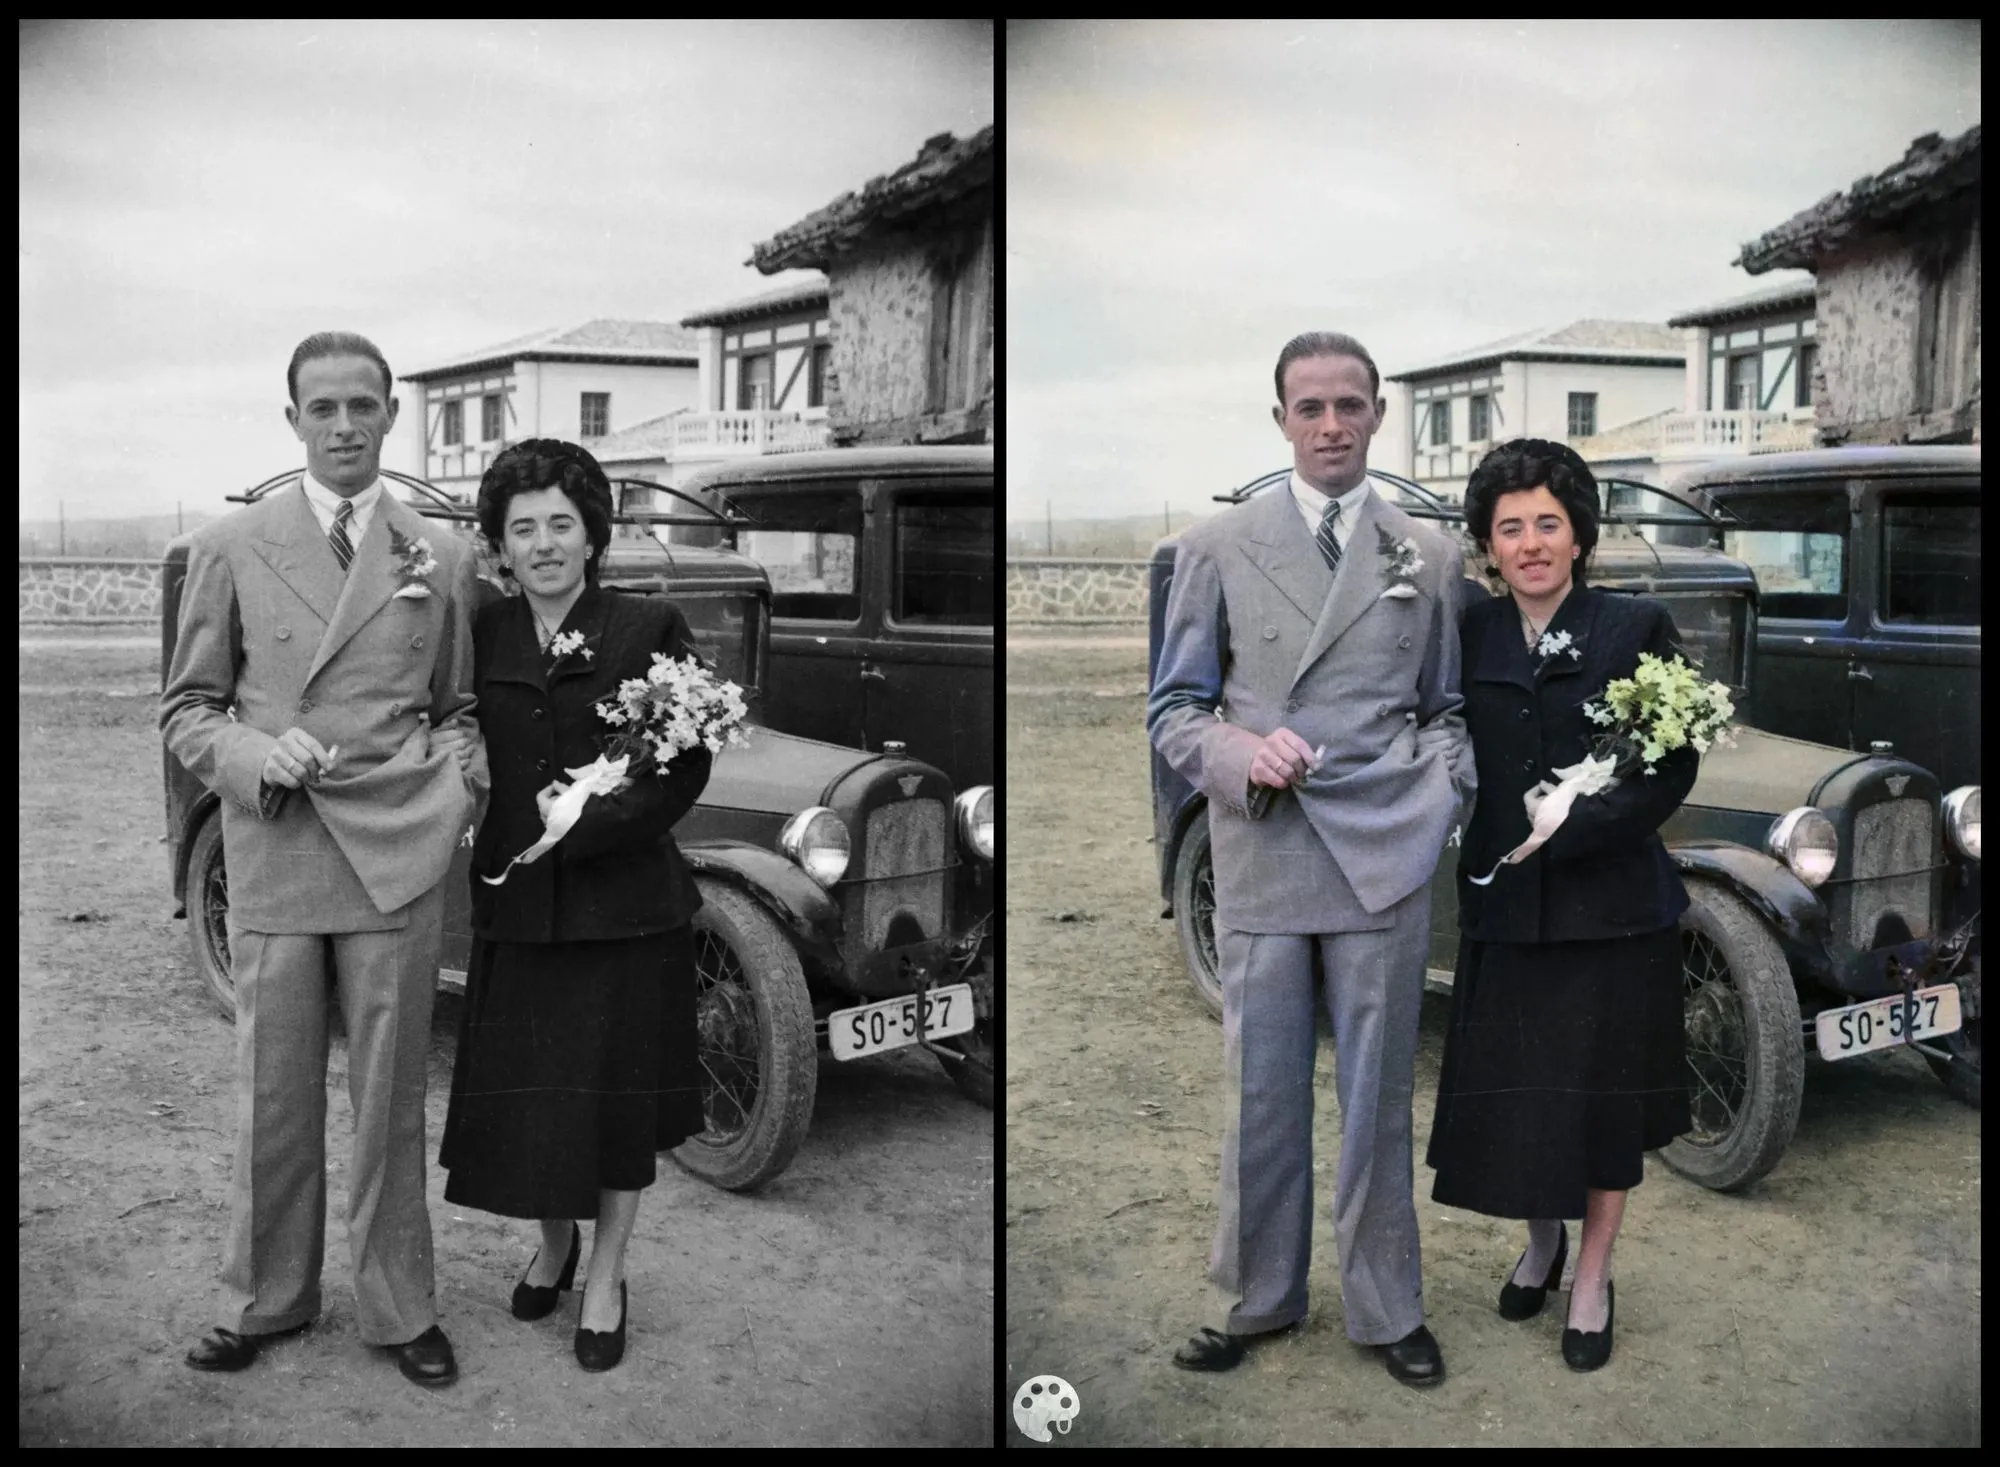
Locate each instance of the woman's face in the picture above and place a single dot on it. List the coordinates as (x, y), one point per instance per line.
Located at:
(545, 542)
(1533, 543)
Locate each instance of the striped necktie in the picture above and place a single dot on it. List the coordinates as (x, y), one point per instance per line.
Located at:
(1328, 546)
(343, 547)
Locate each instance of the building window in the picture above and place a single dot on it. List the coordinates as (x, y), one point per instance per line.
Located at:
(1440, 424)
(596, 414)
(1808, 358)
(753, 386)
(1742, 383)
(491, 427)
(1582, 414)
(822, 362)
(1482, 413)
(454, 423)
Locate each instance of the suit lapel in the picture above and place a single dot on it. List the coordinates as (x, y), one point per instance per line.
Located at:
(297, 553)
(1362, 577)
(1279, 545)
(1499, 655)
(371, 580)
(516, 658)
(1574, 616)
(588, 617)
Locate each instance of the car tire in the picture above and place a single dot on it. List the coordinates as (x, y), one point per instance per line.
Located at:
(1960, 1073)
(751, 1006)
(208, 915)
(1746, 1056)
(1194, 913)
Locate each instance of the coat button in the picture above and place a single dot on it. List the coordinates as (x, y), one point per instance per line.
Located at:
(284, 634)
(1528, 765)
(416, 641)
(305, 705)
(536, 714)
(1404, 643)
(1270, 634)
(1381, 710)
(543, 764)
(1292, 706)
(394, 709)
(1525, 714)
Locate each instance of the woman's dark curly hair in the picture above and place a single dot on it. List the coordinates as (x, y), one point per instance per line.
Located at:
(1529, 463)
(547, 463)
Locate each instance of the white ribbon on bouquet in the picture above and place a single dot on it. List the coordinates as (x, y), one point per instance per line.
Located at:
(598, 778)
(1549, 805)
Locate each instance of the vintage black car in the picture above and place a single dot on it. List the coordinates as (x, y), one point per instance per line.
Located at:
(798, 952)
(1818, 877)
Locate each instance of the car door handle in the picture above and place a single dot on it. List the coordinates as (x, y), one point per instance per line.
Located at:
(1859, 674)
(874, 675)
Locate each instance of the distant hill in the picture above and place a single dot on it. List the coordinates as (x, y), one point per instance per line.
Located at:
(137, 535)
(1121, 537)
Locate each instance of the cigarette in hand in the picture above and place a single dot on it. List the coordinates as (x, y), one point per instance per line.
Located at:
(331, 755)
(1318, 754)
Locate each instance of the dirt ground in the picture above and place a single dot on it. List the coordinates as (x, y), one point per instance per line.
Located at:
(850, 1302)
(1836, 1303)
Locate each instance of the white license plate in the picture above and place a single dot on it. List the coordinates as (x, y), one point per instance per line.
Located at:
(891, 1024)
(1881, 1023)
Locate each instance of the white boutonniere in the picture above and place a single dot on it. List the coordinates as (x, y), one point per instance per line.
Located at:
(1404, 561)
(562, 644)
(414, 561)
(1554, 644)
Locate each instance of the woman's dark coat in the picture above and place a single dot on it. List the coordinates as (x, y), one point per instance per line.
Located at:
(1605, 872)
(617, 873)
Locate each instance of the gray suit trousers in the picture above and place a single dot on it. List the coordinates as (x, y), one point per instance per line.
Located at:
(1263, 1235)
(277, 1226)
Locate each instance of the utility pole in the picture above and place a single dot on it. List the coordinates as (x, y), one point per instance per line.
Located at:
(1166, 518)
(1050, 507)
(62, 531)
(177, 517)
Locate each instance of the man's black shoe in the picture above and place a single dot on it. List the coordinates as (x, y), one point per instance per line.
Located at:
(1415, 1359)
(427, 1359)
(224, 1349)
(1211, 1349)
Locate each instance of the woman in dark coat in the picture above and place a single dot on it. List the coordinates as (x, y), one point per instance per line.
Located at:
(1564, 1059)
(576, 1054)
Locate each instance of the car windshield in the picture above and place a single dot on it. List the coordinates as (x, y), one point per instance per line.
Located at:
(725, 631)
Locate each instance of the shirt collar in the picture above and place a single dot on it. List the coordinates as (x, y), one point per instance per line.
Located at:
(1313, 503)
(328, 503)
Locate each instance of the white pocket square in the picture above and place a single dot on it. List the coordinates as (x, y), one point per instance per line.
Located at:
(412, 593)
(1400, 591)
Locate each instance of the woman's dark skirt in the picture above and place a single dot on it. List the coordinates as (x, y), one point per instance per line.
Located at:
(576, 1063)
(1564, 1062)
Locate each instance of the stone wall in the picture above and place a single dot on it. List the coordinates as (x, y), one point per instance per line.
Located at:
(1041, 590)
(74, 589)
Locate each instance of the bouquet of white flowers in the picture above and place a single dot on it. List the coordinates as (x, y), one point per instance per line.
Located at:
(1665, 705)
(678, 704)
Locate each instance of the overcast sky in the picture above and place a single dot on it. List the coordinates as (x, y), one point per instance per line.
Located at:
(198, 196)
(1182, 197)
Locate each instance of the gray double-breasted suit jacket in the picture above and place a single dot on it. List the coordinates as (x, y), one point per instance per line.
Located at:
(1259, 634)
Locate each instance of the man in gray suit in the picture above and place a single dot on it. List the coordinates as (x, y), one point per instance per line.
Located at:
(1308, 686)
(319, 643)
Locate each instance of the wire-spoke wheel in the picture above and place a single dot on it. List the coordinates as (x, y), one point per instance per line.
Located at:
(208, 914)
(1194, 913)
(754, 1026)
(1745, 1053)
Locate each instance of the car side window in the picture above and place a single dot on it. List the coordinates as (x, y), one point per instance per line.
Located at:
(1797, 545)
(810, 544)
(1930, 560)
(943, 560)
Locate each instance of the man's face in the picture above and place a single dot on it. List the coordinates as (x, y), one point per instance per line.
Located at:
(1329, 417)
(342, 418)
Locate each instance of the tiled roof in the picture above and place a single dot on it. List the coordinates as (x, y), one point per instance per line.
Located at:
(944, 172)
(1756, 302)
(600, 340)
(1642, 342)
(1932, 172)
(766, 303)
(653, 438)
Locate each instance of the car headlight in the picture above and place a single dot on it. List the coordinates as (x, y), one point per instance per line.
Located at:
(816, 838)
(1804, 840)
(1961, 820)
(974, 810)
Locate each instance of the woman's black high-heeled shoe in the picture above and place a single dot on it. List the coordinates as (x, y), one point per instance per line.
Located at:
(1519, 1302)
(1587, 1351)
(531, 1302)
(602, 1349)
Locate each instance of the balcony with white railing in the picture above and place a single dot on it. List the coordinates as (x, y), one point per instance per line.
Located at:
(752, 431)
(1679, 438)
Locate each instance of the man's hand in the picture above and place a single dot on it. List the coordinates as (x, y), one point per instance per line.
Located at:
(546, 797)
(454, 738)
(1283, 759)
(296, 760)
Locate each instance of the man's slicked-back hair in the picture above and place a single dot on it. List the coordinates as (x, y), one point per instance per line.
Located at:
(336, 344)
(1326, 344)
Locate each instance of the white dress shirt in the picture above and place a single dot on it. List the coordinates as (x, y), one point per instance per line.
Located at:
(1312, 504)
(326, 504)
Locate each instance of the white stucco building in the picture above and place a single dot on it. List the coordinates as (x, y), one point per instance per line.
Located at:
(1565, 384)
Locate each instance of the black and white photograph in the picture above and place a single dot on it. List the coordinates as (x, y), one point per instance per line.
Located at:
(1492, 730)
(509, 948)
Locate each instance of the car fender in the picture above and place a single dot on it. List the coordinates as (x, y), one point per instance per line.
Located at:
(800, 905)
(207, 804)
(1796, 915)
(1170, 857)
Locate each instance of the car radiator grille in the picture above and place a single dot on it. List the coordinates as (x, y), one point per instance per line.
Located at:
(1898, 835)
(905, 852)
